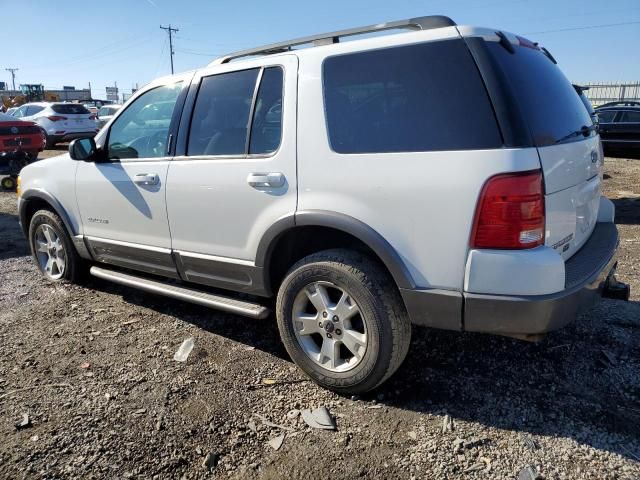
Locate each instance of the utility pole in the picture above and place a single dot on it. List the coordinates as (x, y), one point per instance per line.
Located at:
(13, 75)
(171, 52)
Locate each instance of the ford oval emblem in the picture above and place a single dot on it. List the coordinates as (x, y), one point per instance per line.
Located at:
(14, 130)
(594, 156)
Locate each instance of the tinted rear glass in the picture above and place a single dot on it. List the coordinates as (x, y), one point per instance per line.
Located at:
(548, 101)
(630, 117)
(411, 98)
(69, 108)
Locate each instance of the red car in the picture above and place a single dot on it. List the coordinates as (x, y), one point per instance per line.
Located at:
(20, 143)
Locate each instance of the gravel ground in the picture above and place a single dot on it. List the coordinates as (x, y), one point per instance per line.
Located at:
(92, 367)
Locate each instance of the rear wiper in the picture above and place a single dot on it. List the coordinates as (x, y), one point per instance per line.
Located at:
(584, 131)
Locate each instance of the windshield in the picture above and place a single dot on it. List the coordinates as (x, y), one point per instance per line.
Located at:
(552, 109)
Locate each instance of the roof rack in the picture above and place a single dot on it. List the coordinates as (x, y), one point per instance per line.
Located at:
(621, 103)
(418, 23)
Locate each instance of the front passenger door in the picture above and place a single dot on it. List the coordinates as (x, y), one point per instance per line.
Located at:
(122, 198)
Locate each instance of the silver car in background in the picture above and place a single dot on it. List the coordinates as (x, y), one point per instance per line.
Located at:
(105, 114)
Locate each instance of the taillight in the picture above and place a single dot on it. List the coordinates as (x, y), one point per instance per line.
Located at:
(510, 212)
(56, 118)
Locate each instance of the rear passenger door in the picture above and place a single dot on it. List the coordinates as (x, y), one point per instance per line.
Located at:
(235, 175)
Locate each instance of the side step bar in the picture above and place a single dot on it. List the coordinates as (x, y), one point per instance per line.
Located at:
(218, 302)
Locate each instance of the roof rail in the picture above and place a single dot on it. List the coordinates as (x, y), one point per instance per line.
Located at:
(620, 103)
(418, 23)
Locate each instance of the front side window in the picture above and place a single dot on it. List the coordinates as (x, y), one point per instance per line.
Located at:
(221, 114)
(412, 98)
(142, 130)
(104, 111)
(20, 112)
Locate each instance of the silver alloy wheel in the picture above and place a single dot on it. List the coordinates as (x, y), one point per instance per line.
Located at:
(329, 326)
(50, 252)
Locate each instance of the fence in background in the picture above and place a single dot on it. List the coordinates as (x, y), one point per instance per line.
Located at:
(600, 93)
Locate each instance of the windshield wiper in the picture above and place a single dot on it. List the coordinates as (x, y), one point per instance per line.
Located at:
(584, 131)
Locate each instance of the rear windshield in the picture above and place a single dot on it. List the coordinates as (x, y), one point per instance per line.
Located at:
(551, 107)
(411, 98)
(69, 108)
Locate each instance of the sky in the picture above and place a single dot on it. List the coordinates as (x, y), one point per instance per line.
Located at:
(77, 42)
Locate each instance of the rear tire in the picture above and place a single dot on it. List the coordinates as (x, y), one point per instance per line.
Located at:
(9, 183)
(53, 250)
(342, 320)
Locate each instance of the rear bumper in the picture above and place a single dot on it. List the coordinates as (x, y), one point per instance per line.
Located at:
(586, 273)
(67, 137)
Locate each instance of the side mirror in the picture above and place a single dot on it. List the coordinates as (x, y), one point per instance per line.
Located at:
(83, 149)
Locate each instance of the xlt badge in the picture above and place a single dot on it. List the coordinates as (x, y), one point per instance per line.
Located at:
(97, 220)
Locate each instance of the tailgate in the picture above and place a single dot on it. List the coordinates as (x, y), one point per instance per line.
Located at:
(573, 180)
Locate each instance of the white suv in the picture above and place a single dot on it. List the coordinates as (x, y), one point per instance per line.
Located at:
(448, 177)
(60, 122)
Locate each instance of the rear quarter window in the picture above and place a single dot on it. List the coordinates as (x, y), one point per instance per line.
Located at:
(69, 108)
(412, 98)
(551, 108)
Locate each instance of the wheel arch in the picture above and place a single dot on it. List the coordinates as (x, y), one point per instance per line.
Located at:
(36, 199)
(336, 228)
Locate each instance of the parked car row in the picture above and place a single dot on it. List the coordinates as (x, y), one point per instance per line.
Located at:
(62, 122)
(620, 127)
(20, 143)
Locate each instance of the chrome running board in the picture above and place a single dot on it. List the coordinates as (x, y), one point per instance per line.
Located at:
(218, 302)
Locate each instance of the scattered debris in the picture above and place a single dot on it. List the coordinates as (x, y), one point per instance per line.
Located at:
(268, 423)
(293, 414)
(319, 418)
(268, 381)
(85, 365)
(140, 411)
(277, 442)
(183, 352)
(476, 467)
(252, 426)
(18, 390)
(412, 435)
(529, 473)
(458, 443)
(34, 438)
(447, 424)
(210, 461)
(529, 442)
(25, 422)
(487, 463)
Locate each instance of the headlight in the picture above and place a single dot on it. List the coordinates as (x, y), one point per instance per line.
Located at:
(18, 192)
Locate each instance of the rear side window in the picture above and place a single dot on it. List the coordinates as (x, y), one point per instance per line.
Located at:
(266, 127)
(414, 98)
(69, 108)
(606, 116)
(548, 101)
(630, 117)
(221, 114)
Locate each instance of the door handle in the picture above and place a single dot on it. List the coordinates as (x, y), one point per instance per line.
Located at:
(262, 180)
(146, 179)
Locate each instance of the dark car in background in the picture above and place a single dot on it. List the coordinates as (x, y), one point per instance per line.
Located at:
(620, 127)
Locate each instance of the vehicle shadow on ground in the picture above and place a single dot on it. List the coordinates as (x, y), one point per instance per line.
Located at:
(627, 211)
(559, 387)
(12, 241)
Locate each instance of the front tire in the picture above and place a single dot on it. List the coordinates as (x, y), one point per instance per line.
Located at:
(9, 183)
(342, 320)
(52, 248)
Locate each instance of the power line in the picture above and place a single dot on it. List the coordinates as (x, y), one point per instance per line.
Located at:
(13, 75)
(171, 52)
(584, 28)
